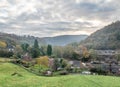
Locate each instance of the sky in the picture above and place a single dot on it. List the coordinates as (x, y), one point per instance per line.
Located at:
(46, 18)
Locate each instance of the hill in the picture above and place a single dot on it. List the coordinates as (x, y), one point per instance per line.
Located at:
(56, 41)
(30, 80)
(105, 38)
(17, 39)
(64, 39)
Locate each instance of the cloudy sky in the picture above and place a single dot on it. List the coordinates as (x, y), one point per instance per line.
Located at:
(45, 18)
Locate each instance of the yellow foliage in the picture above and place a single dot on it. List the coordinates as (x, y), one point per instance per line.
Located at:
(85, 52)
(43, 61)
(3, 44)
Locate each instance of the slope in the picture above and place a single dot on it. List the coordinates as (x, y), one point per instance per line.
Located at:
(30, 80)
(105, 38)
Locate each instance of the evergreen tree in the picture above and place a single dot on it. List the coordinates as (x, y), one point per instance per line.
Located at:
(35, 51)
(49, 50)
(36, 44)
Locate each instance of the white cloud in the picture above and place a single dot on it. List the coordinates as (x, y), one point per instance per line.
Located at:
(57, 16)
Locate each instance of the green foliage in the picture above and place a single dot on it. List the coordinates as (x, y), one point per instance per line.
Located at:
(6, 53)
(93, 54)
(36, 46)
(56, 64)
(49, 50)
(38, 68)
(63, 63)
(58, 51)
(65, 52)
(34, 52)
(43, 50)
(25, 47)
(18, 51)
(75, 56)
(98, 71)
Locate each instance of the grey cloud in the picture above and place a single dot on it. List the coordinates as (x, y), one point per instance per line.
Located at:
(52, 17)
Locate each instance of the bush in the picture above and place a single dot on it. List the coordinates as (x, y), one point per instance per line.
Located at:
(6, 53)
(99, 71)
(39, 69)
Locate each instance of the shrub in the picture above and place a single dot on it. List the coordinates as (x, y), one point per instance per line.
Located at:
(99, 71)
(6, 53)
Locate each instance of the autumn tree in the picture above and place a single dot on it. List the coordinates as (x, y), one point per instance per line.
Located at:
(85, 54)
(3, 44)
(44, 61)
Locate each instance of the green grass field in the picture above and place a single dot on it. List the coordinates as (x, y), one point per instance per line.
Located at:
(30, 80)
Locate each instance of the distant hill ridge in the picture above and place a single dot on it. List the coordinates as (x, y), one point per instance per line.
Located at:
(64, 39)
(56, 41)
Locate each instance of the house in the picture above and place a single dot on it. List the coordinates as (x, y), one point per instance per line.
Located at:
(74, 63)
(106, 52)
(79, 64)
(11, 48)
(106, 55)
(113, 68)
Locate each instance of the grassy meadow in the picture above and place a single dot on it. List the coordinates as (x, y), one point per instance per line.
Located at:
(26, 79)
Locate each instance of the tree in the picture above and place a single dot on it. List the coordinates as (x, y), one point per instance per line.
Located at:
(44, 61)
(58, 51)
(18, 51)
(63, 63)
(118, 57)
(3, 44)
(36, 44)
(43, 50)
(6, 53)
(35, 51)
(49, 50)
(25, 47)
(75, 56)
(68, 52)
(56, 64)
(93, 54)
(85, 54)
